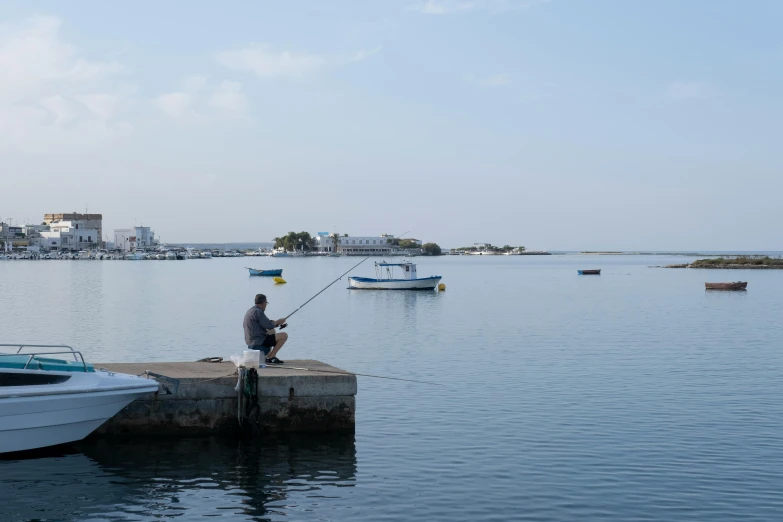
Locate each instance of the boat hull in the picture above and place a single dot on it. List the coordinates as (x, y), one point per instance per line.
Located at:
(366, 283)
(739, 285)
(589, 272)
(275, 272)
(39, 416)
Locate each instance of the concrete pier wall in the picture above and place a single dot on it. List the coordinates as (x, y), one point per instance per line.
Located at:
(205, 402)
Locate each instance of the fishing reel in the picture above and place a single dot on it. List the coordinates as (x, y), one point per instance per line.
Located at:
(283, 325)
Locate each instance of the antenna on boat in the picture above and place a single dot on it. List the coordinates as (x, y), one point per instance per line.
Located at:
(319, 293)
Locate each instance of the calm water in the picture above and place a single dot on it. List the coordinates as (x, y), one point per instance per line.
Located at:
(634, 395)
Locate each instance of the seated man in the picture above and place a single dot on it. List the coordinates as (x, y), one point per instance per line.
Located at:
(260, 333)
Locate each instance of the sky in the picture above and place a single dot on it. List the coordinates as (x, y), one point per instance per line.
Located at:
(559, 125)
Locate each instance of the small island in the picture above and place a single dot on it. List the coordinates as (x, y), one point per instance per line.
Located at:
(487, 249)
(738, 262)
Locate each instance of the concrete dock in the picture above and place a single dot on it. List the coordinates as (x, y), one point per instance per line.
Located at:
(200, 398)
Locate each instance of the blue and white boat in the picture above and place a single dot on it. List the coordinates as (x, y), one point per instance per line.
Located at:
(272, 272)
(386, 280)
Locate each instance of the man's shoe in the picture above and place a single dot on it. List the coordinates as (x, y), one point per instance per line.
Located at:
(274, 360)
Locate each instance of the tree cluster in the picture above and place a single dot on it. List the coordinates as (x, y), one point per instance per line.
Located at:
(407, 243)
(295, 241)
(430, 249)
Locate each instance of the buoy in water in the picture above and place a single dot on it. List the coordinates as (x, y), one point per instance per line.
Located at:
(278, 280)
(441, 287)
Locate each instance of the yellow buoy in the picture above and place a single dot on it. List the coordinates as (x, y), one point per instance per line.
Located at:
(278, 280)
(441, 286)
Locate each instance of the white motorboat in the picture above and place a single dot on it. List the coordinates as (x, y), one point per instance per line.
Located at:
(205, 254)
(136, 256)
(385, 279)
(170, 254)
(50, 396)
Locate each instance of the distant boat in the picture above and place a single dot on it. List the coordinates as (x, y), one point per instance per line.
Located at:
(273, 272)
(408, 282)
(589, 272)
(739, 285)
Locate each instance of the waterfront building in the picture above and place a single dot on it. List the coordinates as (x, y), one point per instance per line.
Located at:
(129, 239)
(87, 221)
(24, 236)
(70, 235)
(370, 245)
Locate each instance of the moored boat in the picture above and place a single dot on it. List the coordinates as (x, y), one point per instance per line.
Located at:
(51, 396)
(589, 272)
(738, 285)
(409, 281)
(259, 272)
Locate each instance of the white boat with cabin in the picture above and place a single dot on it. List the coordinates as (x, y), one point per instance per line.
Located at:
(385, 279)
(49, 395)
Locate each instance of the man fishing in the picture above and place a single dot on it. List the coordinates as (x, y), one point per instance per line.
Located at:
(260, 331)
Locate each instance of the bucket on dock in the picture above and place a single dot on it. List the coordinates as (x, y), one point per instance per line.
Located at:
(251, 359)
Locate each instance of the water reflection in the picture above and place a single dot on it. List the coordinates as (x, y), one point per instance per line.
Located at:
(137, 480)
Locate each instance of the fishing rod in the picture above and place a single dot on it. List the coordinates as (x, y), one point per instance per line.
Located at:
(285, 367)
(319, 293)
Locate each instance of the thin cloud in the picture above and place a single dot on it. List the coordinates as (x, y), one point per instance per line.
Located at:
(442, 7)
(358, 56)
(266, 63)
(176, 104)
(228, 98)
(198, 100)
(52, 97)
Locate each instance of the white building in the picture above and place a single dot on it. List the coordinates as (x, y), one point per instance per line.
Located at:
(129, 239)
(69, 235)
(377, 245)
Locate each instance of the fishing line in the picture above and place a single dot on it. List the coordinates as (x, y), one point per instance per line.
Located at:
(283, 367)
(319, 293)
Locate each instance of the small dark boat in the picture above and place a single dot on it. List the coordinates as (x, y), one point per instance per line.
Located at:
(589, 272)
(739, 285)
(274, 272)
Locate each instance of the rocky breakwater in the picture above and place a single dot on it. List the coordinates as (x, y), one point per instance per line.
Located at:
(737, 263)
